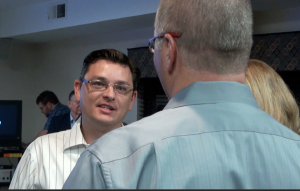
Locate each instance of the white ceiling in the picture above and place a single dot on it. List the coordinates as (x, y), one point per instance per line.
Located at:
(111, 26)
(258, 5)
(129, 23)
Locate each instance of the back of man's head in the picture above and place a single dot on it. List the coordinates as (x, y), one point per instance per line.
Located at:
(47, 96)
(216, 35)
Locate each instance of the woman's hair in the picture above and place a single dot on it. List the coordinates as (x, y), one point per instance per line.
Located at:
(272, 94)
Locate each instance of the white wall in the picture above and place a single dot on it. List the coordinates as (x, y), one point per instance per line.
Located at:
(17, 83)
(34, 18)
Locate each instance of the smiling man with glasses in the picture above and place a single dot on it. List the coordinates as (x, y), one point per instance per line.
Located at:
(106, 90)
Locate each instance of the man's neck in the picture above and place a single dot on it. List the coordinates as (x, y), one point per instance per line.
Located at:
(74, 116)
(54, 105)
(94, 130)
(240, 78)
(187, 76)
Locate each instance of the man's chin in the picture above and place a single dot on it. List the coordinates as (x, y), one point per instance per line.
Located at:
(108, 122)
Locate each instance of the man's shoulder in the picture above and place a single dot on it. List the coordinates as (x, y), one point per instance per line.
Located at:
(125, 140)
(183, 121)
(62, 116)
(59, 123)
(60, 109)
(61, 106)
(50, 139)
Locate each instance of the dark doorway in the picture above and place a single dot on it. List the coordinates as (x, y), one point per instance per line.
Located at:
(152, 97)
(292, 79)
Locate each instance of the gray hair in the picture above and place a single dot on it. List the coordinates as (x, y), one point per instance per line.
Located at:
(222, 27)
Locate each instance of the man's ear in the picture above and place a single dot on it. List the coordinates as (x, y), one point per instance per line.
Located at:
(77, 88)
(133, 98)
(49, 104)
(69, 104)
(171, 53)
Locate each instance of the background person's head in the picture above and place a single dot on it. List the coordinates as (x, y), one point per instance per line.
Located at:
(109, 105)
(272, 94)
(47, 101)
(216, 36)
(74, 105)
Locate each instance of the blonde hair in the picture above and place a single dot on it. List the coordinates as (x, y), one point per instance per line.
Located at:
(272, 94)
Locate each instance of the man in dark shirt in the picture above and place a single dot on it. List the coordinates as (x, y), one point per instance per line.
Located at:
(66, 121)
(50, 107)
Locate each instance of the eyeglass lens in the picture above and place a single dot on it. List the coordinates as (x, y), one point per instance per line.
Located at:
(101, 86)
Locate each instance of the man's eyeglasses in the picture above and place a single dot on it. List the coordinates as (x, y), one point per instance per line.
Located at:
(41, 108)
(98, 85)
(151, 42)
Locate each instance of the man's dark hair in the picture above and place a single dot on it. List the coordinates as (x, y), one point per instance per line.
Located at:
(47, 96)
(71, 94)
(114, 56)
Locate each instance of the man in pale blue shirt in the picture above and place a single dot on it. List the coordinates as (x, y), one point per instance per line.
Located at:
(211, 134)
(74, 106)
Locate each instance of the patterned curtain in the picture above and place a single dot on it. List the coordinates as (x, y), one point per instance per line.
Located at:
(144, 60)
(281, 51)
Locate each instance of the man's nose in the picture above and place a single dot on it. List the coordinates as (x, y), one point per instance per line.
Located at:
(109, 93)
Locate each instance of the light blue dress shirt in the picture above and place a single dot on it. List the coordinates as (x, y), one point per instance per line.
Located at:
(210, 135)
(72, 120)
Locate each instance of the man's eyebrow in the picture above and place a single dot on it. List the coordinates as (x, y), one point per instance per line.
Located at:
(99, 78)
(121, 82)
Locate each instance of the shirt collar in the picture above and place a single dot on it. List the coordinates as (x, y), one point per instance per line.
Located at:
(71, 118)
(56, 107)
(213, 92)
(74, 136)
